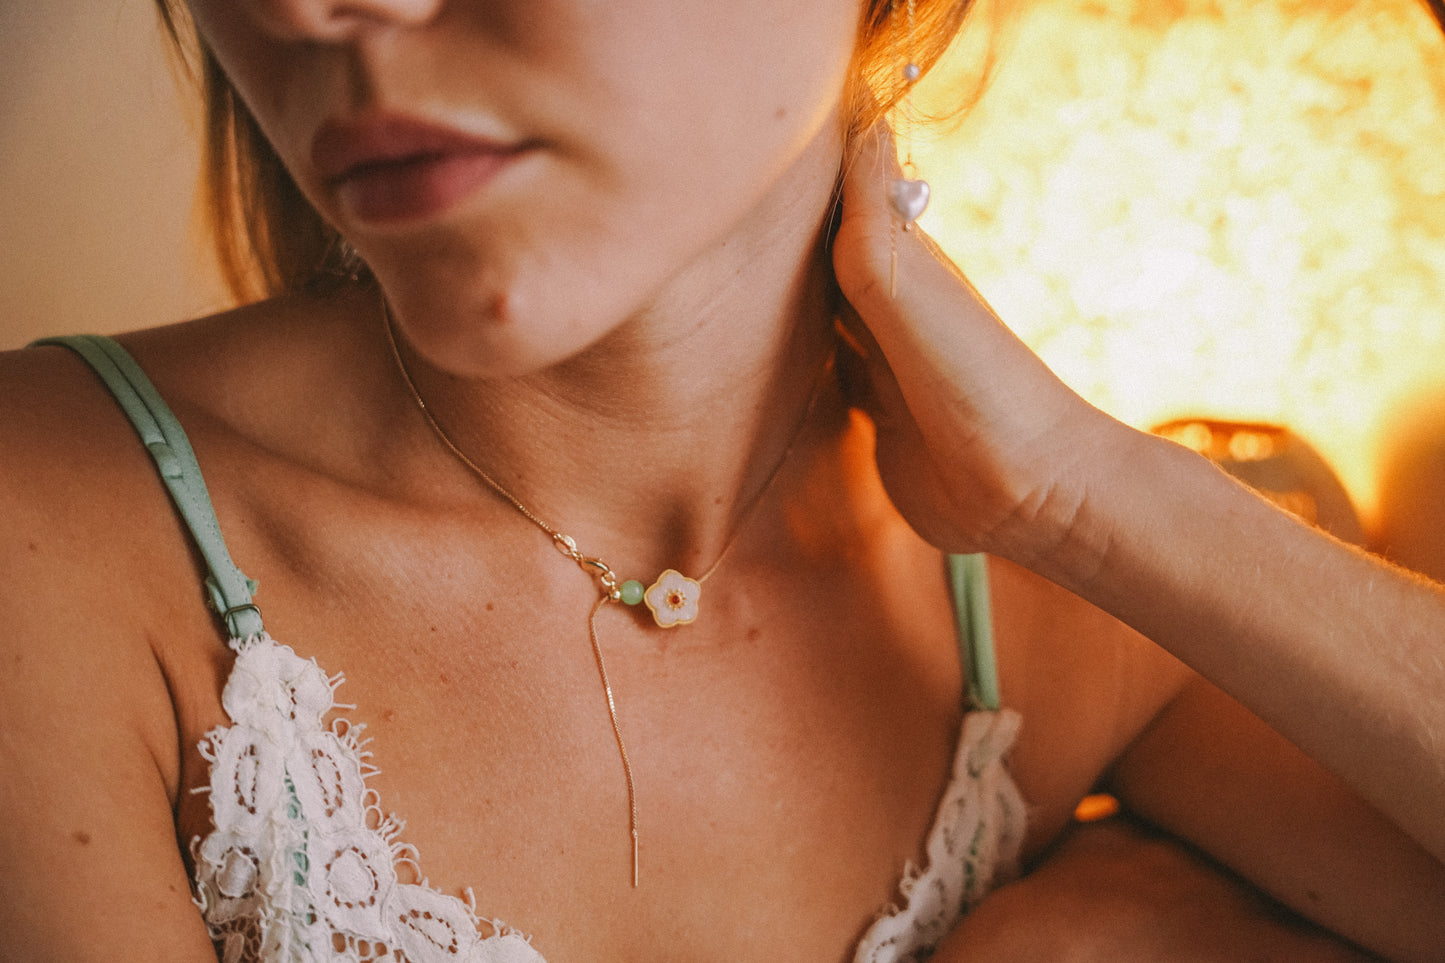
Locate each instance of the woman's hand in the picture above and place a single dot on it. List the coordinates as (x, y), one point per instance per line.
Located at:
(983, 449)
(980, 446)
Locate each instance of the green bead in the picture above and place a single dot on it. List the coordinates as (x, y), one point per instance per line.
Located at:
(632, 591)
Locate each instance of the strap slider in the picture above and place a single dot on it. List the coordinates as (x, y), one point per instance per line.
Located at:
(243, 621)
(165, 459)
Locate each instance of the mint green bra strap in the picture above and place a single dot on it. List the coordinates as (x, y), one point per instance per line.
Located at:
(229, 589)
(973, 618)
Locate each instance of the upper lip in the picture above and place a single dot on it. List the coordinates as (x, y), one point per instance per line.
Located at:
(342, 148)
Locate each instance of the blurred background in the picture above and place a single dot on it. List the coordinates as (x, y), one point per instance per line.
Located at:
(1222, 219)
(97, 170)
(1221, 211)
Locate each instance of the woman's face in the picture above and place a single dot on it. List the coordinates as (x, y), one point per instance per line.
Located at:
(525, 175)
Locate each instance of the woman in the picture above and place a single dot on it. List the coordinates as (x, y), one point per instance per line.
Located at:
(603, 319)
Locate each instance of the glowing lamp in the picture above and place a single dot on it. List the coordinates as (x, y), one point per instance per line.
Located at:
(1211, 209)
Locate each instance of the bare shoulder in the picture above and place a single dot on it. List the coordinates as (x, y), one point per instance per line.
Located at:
(76, 485)
(111, 660)
(99, 585)
(95, 560)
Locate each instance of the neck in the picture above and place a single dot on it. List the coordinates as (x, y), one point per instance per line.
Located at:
(651, 447)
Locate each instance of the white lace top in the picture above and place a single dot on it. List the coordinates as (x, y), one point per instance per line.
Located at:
(303, 864)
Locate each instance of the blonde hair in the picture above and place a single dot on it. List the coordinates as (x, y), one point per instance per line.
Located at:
(268, 238)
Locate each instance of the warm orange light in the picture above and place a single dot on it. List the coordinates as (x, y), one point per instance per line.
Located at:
(1095, 807)
(1232, 209)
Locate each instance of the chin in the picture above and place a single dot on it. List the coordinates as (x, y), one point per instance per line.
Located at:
(489, 333)
(478, 307)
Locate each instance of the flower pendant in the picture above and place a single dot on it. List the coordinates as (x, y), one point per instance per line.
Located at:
(673, 599)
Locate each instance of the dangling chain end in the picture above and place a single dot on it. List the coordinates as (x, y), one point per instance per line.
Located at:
(636, 873)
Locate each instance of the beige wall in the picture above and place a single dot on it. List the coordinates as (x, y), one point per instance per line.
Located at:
(97, 172)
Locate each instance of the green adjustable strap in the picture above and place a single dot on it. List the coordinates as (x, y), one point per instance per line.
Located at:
(228, 587)
(973, 619)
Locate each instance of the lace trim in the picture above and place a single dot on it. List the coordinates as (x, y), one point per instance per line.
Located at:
(972, 848)
(301, 863)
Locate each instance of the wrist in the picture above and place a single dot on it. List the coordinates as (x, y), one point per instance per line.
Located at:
(1068, 530)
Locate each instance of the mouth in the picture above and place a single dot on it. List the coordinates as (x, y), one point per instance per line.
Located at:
(393, 169)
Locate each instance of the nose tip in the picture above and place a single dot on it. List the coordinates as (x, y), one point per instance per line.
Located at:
(336, 20)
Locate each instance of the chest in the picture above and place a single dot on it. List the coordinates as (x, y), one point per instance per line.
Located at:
(787, 766)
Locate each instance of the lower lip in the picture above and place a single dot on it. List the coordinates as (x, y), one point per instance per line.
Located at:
(413, 190)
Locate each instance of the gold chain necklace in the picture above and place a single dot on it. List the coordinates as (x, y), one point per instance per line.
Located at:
(673, 598)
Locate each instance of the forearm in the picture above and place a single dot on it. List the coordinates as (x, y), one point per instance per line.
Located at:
(1340, 652)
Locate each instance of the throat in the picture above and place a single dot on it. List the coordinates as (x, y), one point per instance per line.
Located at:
(648, 506)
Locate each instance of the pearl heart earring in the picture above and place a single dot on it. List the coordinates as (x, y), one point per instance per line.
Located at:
(909, 199)
(908, 195)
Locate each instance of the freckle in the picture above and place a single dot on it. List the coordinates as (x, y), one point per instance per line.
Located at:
(443, 678)
(389, 715)
(433, 628)
(81, 836)
(754, 634)
(1312, 896)
(33, 547)
(490, 607)
(515, 663)
(782, 112)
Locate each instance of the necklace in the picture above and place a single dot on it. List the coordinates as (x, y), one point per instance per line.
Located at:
(673, 598)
